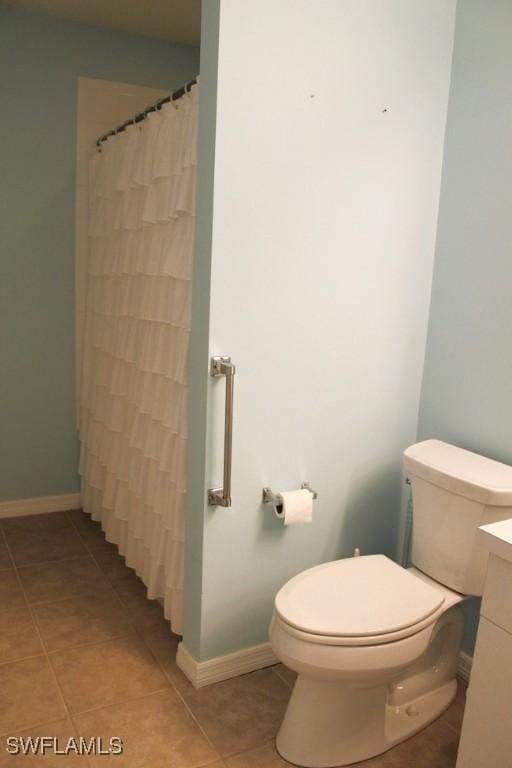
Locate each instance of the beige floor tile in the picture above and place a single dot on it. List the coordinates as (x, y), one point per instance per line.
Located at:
(90, 530)
(157, 732)
(133, 594)
(145, 616)
(130, 589)
(46, 582)
(39, 546)
(52, 521)
(5, 558)
(83, 619)
(11, 594)
(261, 757)
(240, 713)
(434, 747)
(128, 585)
(18, 635)
(164, 645)
(28, 694)
(110, 562)
(454, 714)
(105, 673)
(119, 679)
(286, 674)
(62, 731)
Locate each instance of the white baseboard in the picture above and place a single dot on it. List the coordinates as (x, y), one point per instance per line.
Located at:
(40, 505)
(464, 666)
(201, 673)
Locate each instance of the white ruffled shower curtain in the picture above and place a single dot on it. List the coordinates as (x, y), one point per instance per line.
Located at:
(133, 403)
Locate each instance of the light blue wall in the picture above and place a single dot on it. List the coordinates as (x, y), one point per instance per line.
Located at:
(40, 60)
(467, 386)
(314, 251)
(198, 390)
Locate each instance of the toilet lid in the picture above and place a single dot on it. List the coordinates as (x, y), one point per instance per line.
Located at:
(356, 597)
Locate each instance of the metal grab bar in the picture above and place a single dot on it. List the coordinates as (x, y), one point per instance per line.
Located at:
(222, 366)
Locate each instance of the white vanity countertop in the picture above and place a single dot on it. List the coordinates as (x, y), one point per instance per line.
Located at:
(497, 538)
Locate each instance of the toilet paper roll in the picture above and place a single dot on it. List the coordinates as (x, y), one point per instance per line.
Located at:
(295, 506)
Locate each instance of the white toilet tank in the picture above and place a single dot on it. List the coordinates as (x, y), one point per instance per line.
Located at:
(454, 491)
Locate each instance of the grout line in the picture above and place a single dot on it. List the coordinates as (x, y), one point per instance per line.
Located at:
(182, 699)
(111, 581)
(31, 608)
(89, 519)
(93, 590)
(138, 631)
(161, 666)
(46, 653)
(23, 658)
(120, 702)
(19, 533)
(124, 607)
(83, 556)
(90, 549)
(38, 724)
(89, 593)
(264, 743)
(91, 643)
(107, 578)
(47, 659)
(178, 692)
(8, 549)
(140, 635)
(51, 562)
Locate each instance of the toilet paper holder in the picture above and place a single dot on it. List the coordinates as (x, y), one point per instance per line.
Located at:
(269, 497)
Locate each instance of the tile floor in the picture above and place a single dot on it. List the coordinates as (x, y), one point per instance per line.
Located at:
(83, 652)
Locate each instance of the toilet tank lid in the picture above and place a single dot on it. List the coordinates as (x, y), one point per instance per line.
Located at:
(461, 472)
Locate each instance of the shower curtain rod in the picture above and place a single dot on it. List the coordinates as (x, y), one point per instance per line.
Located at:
(142, 115)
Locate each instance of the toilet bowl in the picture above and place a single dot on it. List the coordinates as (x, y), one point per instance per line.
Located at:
(375, 647)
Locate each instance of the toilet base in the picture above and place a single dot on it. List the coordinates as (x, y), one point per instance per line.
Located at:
(328, 724)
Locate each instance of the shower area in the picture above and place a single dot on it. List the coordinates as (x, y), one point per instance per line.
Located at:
(133, 329)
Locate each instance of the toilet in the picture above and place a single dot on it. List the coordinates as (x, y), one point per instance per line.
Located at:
(375, 645)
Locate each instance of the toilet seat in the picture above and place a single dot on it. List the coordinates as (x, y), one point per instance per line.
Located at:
(357, 601)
